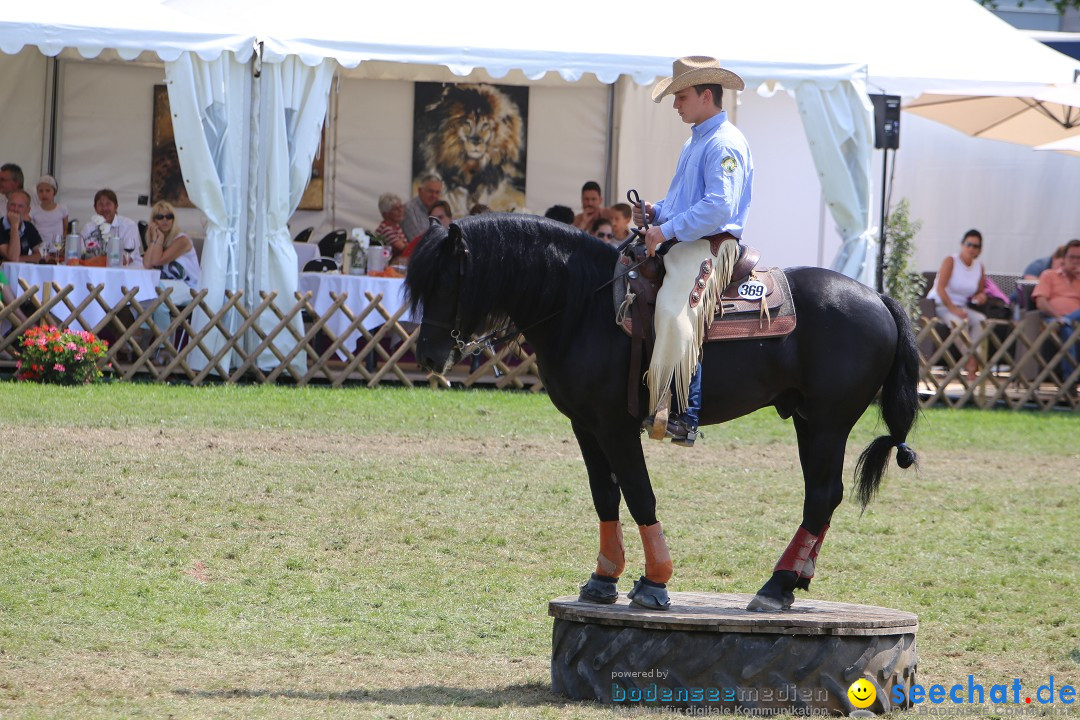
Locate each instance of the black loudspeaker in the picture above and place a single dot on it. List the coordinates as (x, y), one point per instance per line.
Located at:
(886, 121)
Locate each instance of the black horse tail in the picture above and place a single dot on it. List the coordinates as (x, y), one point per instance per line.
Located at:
(899, 409)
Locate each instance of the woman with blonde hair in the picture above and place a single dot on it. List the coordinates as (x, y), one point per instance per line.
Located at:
(172, 251)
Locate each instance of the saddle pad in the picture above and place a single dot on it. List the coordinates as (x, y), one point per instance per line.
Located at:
(741, 318)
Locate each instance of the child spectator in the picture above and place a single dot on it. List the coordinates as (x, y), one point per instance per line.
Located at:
(49, 217)
(620, 214)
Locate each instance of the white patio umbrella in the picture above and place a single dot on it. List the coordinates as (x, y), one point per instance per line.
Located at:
(1023, 114)
(1069, 146)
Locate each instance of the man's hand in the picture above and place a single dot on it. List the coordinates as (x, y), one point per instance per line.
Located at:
(14, 219)
(653, 237)
(648, 214)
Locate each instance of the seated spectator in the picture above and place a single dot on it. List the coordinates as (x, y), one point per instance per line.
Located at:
(19, 239)
(440, 211)
(173, 252)
(1058, 295)
(1039, 265)
(428, 193)
(561, 213)
(961, 280)
(49, 217)
(106, 205)
(479, 209)
(393, 211)
(11, 178)
(592, 205)
(602, 231)
(620, 214)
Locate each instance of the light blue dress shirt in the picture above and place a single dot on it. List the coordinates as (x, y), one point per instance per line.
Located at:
(711, 190)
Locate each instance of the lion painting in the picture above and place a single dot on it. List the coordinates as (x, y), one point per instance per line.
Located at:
(473, 135)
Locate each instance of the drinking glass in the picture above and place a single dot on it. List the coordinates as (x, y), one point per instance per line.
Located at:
(129, 250)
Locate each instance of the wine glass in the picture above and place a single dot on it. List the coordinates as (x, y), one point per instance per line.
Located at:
(129, 249)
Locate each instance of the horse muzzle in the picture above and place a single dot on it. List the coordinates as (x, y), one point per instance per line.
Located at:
(437, 355)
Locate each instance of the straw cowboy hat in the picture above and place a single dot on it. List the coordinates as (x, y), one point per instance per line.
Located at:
(696, 70)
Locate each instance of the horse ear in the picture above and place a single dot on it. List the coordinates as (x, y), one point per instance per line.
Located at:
(457, 240)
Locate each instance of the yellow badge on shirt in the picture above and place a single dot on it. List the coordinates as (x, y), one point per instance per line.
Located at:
(728, 164)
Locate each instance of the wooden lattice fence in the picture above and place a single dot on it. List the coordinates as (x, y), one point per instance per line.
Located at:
(1023, 364)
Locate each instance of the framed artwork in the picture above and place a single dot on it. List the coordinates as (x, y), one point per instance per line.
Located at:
(312, 199)
(474, 136)
(167, 182)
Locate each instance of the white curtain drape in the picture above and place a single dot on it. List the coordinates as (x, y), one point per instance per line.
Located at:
(839, 124)
(292, 98)
(209, 104)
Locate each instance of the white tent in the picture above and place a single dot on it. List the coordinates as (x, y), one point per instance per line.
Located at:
(826, 52)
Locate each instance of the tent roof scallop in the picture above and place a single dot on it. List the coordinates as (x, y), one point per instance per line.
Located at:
(901, 48)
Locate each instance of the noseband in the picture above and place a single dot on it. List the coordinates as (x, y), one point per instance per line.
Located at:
(465, 348)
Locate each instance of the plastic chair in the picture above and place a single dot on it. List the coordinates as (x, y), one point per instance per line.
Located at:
(304, 235)
(332, 243)
(320, 265)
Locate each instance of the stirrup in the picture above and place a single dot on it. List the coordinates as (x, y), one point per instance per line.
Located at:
(681, 433)
(658, 429)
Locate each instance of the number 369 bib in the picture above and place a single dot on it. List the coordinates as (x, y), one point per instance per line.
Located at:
(752, 290)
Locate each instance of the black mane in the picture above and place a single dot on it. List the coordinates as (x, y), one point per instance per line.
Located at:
(521, 265)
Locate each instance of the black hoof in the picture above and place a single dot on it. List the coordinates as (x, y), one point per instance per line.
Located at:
(766, 603)
(777, 594)
(649, 595)
(599, 589)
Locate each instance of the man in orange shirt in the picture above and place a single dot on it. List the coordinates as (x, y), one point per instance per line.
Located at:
(1058, 295)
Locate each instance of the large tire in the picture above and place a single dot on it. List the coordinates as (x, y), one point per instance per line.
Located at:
(623, 665)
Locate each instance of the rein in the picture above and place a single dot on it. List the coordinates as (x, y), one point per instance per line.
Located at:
(497, 337)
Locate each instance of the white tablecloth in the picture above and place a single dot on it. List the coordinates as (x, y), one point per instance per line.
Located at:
(305, 253)
(321, 285)
(78, 276)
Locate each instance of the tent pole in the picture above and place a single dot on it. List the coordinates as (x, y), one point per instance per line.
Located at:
(609, 176)
(881, 241)
(48, 160)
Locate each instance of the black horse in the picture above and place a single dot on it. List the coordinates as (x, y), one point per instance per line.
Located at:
(551, 282)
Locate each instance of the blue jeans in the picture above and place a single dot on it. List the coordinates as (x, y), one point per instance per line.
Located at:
(1066, 332)
(693, 400)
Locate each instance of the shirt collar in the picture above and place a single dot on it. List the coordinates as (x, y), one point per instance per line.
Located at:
(709, 125)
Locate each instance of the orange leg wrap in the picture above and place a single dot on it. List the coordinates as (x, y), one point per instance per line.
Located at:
(658, 567)
(612, 558)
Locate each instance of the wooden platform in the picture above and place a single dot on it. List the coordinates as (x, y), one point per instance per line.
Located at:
(708, 650)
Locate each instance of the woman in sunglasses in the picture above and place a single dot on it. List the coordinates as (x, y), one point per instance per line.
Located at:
(171, 250)
(958, 285)
(602, 230)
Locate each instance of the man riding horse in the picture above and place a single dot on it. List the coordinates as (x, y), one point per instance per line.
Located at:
(705, 210)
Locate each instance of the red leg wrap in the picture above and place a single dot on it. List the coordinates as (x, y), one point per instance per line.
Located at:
(811, 561)
(612, 558)
(658, 567)
(797, 552)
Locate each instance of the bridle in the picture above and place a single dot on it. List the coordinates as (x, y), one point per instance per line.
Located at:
(493, 339)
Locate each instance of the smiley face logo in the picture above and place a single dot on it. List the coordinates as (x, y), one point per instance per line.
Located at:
(861, 693)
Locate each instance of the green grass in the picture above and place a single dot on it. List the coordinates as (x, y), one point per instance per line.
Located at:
(264, 552)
